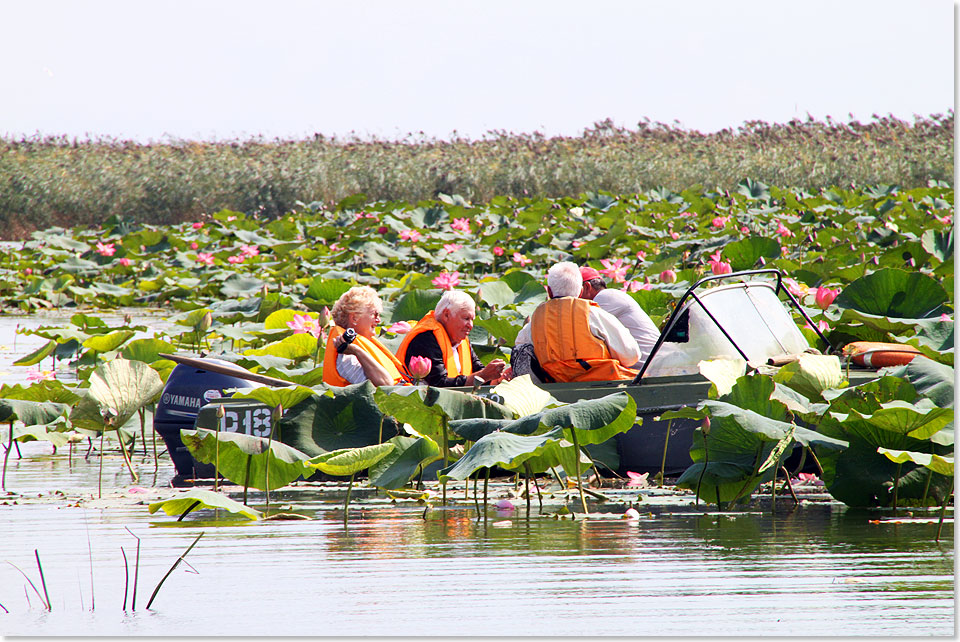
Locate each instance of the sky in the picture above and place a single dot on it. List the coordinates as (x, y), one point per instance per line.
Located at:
(240, 69)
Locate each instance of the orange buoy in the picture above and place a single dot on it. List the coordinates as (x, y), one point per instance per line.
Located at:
(874, 354)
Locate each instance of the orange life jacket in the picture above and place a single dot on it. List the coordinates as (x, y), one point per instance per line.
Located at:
(565, 347)
(429, 323)
(377, 350)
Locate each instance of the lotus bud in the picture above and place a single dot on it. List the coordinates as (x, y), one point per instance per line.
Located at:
(419, 367)
(825, 297)
(263, 291)
(668, 276)
(221, 412)
(205, 322)
(705, 426)
(28, 271)
(277, 413)
(324, 317)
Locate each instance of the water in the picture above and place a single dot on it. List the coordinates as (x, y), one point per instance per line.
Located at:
(818, 569)
(814, 570)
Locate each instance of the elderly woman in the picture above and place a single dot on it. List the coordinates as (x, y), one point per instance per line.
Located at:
(365, 358)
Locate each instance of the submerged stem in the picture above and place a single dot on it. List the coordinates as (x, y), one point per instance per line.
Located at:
(663, 461)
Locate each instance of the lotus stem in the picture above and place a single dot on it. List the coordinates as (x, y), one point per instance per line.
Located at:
(576, 450)
(706, 459)
(136, 571)
(790, 486)
(486, 480)
(126, 577)
(6, 456)
(156, 458)
(184, 514)
(43, 581)
(126, 457)
(773, 490)
(663, 462)
(346, 503)
(246, 480)
(143, 428)
(27, 577)
(446, 455)
(476, 498)
(526, 468)
(926, 488)
(815, 460)
(175, 565)
(267, 470)
(556, 475)
(100, 473)
(943, 510)
(896, 488)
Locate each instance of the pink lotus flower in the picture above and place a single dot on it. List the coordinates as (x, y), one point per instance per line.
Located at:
(460, 224)
(124, 261)
(637, 479)
(641, 254)
(521, 259)
(615, 269)
(447, 280)
(668, 276)
(34, 376)
(410, 235)
(249, 250)
(825, 297)
(943, 317)
(452, 247)
(382, 229)
(822, 325)
(193, 246)
(497, 250)
(576, 244)
(106, 249)
(798, 290)
(674, 235)
(304, 324)
(719, 221)
(745, 230)
(782, 230)
(235, 258)
(205, 257)
(633, 286)
(231, 218)
(505, 504)
(197, 226)
(720, 267)
(419, 367)
(28, 271)
(400, 327)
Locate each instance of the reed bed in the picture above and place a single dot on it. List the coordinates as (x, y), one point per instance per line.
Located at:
(46, 181)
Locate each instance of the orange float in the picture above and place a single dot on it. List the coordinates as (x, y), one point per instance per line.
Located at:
(874, 354)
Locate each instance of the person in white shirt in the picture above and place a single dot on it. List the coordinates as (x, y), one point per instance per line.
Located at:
(574, 341)
(624, 307)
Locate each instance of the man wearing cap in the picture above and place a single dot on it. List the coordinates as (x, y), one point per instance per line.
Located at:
(623, 307)
(574, 339)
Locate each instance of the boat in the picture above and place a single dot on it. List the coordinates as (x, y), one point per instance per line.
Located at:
(741, 317)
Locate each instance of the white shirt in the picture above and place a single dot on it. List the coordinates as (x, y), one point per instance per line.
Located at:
(631, 315)
(605, 327)
(350, 369)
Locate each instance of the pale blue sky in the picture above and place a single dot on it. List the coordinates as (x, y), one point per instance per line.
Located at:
(237, 68)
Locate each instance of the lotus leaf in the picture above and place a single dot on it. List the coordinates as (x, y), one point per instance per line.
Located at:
(409, 457)
(511, 451)
(197, 497)
(929, 378)
(723, 373)
(107, 342)
(243, 459)
(120, 386)
(890, 292)
(350, 461)
(37, 355)
(522, 396)
(936, 463)
(811, 374)
(31, 413)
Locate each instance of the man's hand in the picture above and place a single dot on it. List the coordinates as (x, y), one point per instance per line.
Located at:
(493, 370)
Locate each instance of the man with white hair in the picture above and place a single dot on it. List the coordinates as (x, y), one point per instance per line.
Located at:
(574, 339)
(441, 336)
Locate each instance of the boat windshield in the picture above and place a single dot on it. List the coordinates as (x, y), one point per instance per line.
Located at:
(750, 313)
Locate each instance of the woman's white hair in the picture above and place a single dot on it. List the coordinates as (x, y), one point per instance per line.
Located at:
(454, 300)
(564, 279)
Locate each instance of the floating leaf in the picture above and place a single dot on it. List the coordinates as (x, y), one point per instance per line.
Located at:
(199, 498)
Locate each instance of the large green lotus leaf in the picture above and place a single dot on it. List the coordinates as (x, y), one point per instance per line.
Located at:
(44, 433)
(511, 451)
(723, 373)
(237, 286)
(517, 279)
(687, 412)
(811, 374)
(37, 355)
(82, 267)
(886, 326)
(522, 396)
(498, 293)
(326, 291)
(595, 420)
(108, 342)
(415, 305)
(934, 338)
(501, 328)
(798, 404)
(49, 390)
(146, 350)
(425, 407)
(120, 388)
(867, 397)
(272, 397)
(890, 292)
(755, 392)
(337, 418)
(278, 319)
(179, 504)
(110, 289)
(732, 418)
(931, 379)
(722, 482)
(349, 461)
(919, 421)
(243, 458)
(409, 457)
(939, 244)
(936, 463)
(744, 254)
(293, 347)
(31, 413)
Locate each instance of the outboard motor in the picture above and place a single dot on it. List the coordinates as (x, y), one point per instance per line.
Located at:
(188, 389)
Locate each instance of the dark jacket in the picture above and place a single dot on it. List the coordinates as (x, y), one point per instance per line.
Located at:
(425, 345)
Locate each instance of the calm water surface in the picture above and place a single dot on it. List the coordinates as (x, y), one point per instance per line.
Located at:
(815, 570)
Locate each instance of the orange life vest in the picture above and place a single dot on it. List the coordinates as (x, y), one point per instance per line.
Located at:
(377, 350)
(565, 347)
(429, 323)
(872, 354)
